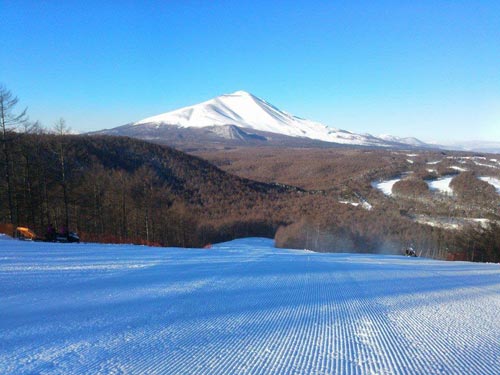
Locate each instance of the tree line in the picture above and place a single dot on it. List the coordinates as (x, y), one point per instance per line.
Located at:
(123, 190)
(120, 190)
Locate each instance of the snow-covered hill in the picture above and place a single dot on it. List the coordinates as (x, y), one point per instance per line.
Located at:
(246, 111)
(411, 141)
(242, 307)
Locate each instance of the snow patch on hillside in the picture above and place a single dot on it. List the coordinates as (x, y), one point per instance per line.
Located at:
(363, 203)
(441, 185)
(485, 165)
(457, 168)
(492, 181)
(385, 186)
(454, 223)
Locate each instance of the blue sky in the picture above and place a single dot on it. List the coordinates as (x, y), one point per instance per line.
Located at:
(429, 69)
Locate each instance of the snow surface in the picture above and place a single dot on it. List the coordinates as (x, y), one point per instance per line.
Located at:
(247, 111)
(242, 307)
(5, 237)
(485, 165)
(492, 181)
(364, 204)
(441, 184)
(457, 168)
(451, 222)
(385, 186)
(355, 204)
(410, 141)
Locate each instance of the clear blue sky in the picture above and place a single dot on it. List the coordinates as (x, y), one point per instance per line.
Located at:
(429, 69)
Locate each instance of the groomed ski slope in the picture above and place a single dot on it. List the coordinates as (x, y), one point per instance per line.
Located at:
(242, 307)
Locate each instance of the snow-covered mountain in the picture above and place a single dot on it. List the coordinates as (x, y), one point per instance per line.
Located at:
(247, 111)
(244, 117)
(411, 141)
(241, 109)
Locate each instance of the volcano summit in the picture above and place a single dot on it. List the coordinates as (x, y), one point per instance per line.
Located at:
(242, 117)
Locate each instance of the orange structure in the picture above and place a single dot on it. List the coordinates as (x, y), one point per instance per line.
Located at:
(24, 233)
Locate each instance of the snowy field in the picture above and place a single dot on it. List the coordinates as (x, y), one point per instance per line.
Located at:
(242, 307)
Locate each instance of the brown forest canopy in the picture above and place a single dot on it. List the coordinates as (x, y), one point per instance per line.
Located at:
(129, 190)
(124, 190)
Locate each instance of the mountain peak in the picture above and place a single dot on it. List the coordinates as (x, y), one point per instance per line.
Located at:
(247, 111)
(241, 109)
(239, 93)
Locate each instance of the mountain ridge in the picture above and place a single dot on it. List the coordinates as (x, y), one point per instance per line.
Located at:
(243, 117)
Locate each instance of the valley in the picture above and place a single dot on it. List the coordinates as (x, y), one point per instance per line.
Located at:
(346, 199)
(436, 189)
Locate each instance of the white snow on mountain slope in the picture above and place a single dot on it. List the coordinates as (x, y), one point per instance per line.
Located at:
(242, 307)
(410, 141)
(247, 111)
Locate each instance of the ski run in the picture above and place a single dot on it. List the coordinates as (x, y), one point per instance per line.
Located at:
(242, 307)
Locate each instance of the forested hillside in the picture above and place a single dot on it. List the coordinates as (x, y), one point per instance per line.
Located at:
(120, 189)
(442, 203)
(116, 189)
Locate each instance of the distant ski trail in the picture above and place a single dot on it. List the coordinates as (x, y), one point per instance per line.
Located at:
(242, 307)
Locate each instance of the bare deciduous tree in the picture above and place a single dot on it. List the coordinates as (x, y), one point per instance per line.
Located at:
(9, 121)
(61, 129)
